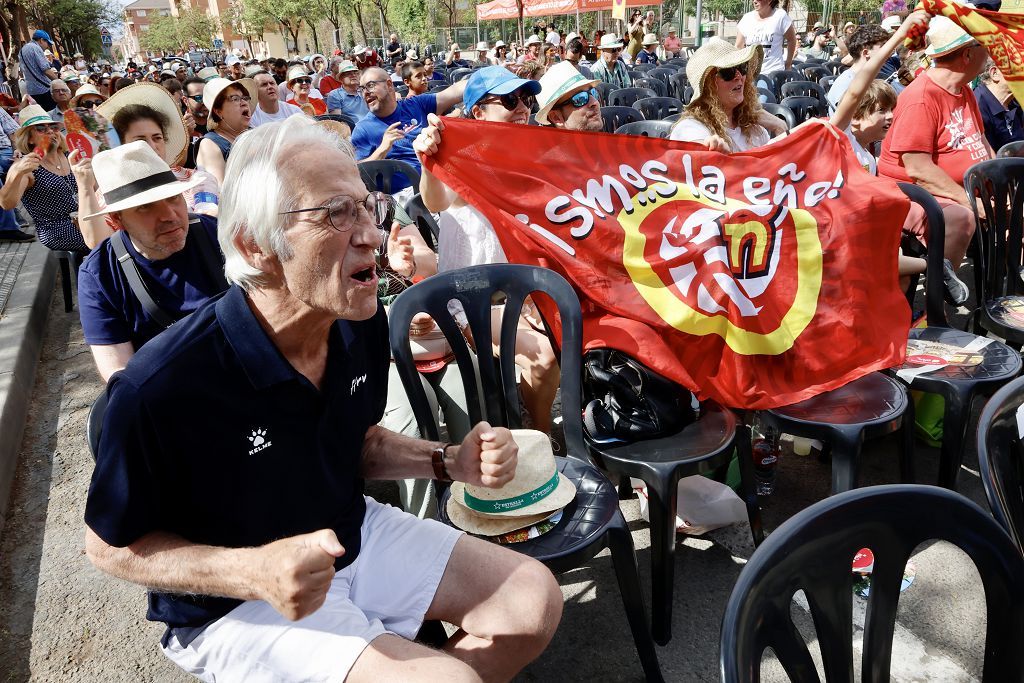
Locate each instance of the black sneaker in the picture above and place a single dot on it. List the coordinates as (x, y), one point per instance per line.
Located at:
(15, 236)
(956, 290)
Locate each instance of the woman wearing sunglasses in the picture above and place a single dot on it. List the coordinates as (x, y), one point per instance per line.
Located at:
(87, 97)
(42, 180)
(724, 113)
(467, 237)
(300, 83)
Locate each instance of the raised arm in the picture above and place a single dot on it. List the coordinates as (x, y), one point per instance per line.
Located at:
(450, 96)
(859, 85)
(436, 195)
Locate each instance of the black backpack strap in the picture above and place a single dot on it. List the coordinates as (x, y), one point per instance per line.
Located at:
(209, 251)
(139, 289)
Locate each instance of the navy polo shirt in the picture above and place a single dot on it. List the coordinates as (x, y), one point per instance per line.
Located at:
(111, 313)
(1003, 124)
(212, 435)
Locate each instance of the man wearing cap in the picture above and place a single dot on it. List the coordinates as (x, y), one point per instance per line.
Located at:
(179, 267)
(248, 518)
(937, 131)
(568, 100)
(533, 47)
(454, 59)
(269, 107)
(673, 46)
(237, 69)
(609, 68)
(61, 94)
(348, 99)
(863, 44)
(37, 70)
(392, 124)
(648, 55)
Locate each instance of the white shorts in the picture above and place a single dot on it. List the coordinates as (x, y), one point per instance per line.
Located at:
(388, 589)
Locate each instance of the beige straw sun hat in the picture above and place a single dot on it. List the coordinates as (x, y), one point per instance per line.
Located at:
(537, 491)
(155, 97)
(720, 54)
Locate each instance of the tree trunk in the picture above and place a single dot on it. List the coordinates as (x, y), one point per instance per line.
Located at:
(316, 37)
(359, 20)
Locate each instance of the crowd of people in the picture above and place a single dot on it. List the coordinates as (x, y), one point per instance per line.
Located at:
(232, 260)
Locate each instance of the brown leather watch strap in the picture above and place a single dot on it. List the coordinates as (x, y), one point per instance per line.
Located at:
(437, 461)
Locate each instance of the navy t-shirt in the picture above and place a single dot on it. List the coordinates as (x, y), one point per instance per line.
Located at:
(370, 129)
(210, 434)
(111, 313)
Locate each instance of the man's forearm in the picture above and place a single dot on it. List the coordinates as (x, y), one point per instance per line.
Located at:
(927, 175)
(387, 455)
(170, 563)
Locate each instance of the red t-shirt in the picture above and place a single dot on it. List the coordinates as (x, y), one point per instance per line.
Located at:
(319, 107)
(327, 84)
(930, 120)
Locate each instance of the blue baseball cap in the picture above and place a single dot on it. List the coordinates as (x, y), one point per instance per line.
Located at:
(42, 34)
(495, 80)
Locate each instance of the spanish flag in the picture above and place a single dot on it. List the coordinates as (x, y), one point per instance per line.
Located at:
(1002, 34)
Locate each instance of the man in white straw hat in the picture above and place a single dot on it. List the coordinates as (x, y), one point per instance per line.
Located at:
(347, 99)
(609, 68)
(145, 203)
(454, 59)
(568, 100)
(481, 53)
(258, 498)
(649, 54)
(937, 131)
(533, 47)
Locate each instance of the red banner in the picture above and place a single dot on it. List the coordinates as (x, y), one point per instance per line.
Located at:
(755, 279)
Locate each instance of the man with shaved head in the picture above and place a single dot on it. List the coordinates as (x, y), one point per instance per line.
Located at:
(388, 130)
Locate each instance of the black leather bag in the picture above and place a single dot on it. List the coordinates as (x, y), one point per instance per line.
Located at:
(627, 400)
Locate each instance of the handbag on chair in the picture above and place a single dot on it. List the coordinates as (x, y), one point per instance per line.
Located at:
(626, 400)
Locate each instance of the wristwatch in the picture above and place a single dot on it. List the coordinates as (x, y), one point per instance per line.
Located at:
(437, 461)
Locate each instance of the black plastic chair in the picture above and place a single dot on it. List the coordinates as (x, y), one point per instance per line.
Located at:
(456, 75)
(616, 117)
(662, 72)
(783, 77)
(815, 72)
(382, 175)
(998, 185)
(593, 520)
(835, 67)
(1001, 459)
(804, 89)
(656, 84)
(958, 385)
(1011, 149)
(69, 261)
(813, 551)
(766, 96)
(673, 118)
(425, 221)
(651, 129)
(625, 97)
(687, 94)
(644, 68)
(657, 108)
(402, 90)
(602, 91)
(826, 83)
(874, 405)
(805, 108)
(767, 81)
(677, 85)
(783, 112)
(702, 447)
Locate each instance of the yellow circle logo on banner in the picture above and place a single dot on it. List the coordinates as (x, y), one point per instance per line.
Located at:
(749, 273)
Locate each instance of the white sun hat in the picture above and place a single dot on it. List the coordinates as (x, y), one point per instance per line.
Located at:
(537, 490)
(556, 81)
(215, 86)
(720, 54)
(650, 39)
(155, 97)
(944, 37)
(133, 175)
(609, 41)
(534, 40)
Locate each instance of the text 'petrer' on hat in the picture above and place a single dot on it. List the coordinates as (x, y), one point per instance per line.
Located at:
(536, 492)
(134, 175)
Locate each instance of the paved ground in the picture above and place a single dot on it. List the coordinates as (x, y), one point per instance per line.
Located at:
(61, 620)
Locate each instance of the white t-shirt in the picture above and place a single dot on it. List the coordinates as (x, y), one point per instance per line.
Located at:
(867, 159)
(770, 33)
(553, 38)
(284, 110)
(466, 239)
(692, 130)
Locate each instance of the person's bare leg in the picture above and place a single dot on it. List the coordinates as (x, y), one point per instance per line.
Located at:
(393, 658)
(506, 605)
(959, 229)
(540, 375)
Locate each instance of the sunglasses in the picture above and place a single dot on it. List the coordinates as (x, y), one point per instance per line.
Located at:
(580, 99)
(89, 104)
(48, 128)
(512, 100)
(729, 73)
(198, 99)
(303, 81)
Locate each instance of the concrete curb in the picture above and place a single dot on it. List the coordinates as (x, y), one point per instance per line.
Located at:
(21, 341)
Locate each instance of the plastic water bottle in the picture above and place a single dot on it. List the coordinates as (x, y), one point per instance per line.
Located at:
(765, 446)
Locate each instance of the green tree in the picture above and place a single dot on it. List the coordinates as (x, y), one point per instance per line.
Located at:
(170, 33)
(410, 20)
(74, 24)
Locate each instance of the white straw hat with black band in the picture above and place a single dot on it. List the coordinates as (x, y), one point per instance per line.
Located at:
(134, 175)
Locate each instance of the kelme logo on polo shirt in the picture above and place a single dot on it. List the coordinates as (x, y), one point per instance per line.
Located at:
(258, 439)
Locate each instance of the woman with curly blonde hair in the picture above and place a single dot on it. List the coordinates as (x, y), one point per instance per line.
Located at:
(725, 114)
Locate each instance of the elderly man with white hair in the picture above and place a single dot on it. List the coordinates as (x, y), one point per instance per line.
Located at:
(247, 519)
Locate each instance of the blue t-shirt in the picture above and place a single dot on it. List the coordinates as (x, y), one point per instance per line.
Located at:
(353, 106)
(210, 434)
(180, 283)
(370, 131)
